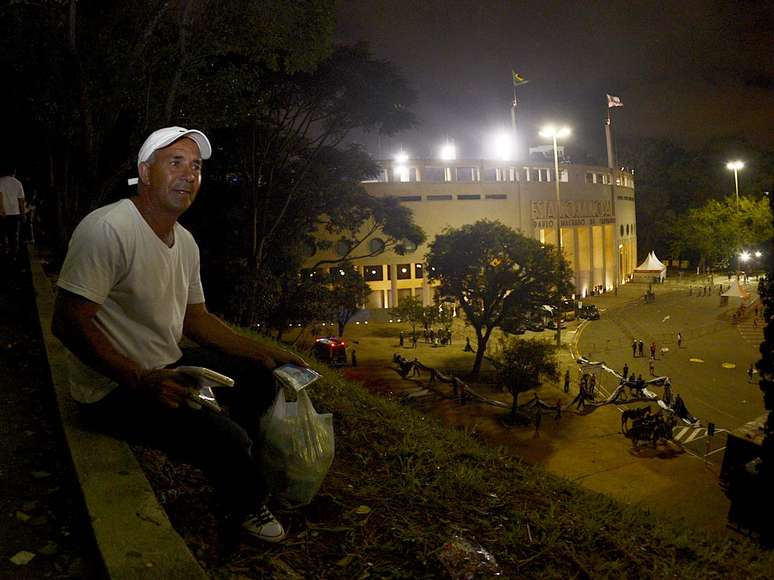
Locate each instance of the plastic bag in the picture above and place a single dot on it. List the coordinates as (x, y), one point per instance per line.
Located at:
(297, 448)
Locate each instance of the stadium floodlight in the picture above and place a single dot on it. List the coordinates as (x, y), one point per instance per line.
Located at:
(448, 151)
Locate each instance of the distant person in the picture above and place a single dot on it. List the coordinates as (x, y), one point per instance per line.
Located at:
(640, 348)
(401, 338)
(354, 357)
(653, 350)
(679, 340)
(468, 348)
(652, 368)
(567, 381)
(750, 372)
(12, 213)
(634, 348)
(625, 371)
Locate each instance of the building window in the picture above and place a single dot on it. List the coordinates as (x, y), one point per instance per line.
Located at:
(434, 174)
(622, 230)
(439, 198)
(341, 248)
(376, 245)
(466, 174)
(404, 271)
(373, 273)
(563, 176)
(489, 174)
(627, 229)
(405, 198)
(418, 271)
(589, 177)
(468, 196)
(496, 196)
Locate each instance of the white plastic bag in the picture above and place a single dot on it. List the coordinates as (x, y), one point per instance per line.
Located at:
(297, 448)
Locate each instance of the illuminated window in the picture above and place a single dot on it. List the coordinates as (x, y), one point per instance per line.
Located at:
(418, 271)
(404, 271)
(373, 273)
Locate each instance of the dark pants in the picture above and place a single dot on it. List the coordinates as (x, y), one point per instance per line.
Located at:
(9, 234)
(223, 446)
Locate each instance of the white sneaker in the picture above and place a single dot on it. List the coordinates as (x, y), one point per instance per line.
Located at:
(264, 526)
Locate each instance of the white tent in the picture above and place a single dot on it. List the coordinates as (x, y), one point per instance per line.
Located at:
(650, 268)
(736, 291)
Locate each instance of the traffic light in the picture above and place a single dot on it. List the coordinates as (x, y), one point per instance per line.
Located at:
(711, 429)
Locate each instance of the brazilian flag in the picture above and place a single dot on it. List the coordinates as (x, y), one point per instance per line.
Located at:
(518, 79)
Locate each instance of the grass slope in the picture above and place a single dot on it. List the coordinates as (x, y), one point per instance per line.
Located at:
(402, 487)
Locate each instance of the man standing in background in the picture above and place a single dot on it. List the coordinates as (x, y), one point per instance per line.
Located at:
(11, 213)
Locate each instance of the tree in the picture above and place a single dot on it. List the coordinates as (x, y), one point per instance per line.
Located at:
(294, 184)
(91, 78)
(717, 230)
(493, 272)
(521, 365)
(411, 310)
(347, 294)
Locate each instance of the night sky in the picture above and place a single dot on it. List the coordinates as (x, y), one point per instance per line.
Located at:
(688, 70)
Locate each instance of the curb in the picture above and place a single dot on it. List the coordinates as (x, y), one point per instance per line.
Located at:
(133, 534)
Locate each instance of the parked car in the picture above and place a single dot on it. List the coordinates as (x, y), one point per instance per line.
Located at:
(534, 325)
(589, 312)
(331, 350)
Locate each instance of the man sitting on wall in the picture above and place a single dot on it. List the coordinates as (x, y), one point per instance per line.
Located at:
(129, 290)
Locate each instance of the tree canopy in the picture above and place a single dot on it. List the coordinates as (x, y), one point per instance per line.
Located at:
(494, 272)
(521, 365)
(717, 230)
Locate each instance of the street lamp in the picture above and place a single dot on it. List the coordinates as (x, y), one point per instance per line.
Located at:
(554, 133)
(735, 166)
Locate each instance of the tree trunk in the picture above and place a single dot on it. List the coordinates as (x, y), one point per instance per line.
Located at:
(514, 407)
(341, 328)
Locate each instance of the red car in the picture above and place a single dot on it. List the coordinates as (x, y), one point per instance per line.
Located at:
(331, 350)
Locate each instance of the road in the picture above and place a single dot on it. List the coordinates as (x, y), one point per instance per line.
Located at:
(709, 371)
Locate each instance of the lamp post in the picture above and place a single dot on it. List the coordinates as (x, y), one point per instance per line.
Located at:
(735, 166)
(555, 133)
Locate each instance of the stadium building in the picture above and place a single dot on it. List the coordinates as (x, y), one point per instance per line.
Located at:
(596, 217)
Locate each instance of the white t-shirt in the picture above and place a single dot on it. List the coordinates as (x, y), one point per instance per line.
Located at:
(11, 191)
(143, 286)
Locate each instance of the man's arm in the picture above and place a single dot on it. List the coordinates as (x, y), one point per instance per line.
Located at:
(73, 323)
(206, 329)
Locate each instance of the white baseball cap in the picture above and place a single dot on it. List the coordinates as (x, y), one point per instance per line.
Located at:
(168, 135)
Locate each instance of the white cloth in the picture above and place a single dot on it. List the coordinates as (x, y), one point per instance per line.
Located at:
(11, 191)
(143, 286)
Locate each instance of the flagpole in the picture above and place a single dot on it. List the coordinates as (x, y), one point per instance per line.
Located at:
(609, 139)
(513, 121)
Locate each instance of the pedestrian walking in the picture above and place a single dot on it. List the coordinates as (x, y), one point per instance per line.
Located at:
(679, 340)
(750, 371)
(592, 386)
(634, 348)
(414, 340)
(640, 348)
(652, 367)
(625, 371)
(468, 348)
(567, 381)
(653, 350)
(558, 410)
(401, 337)
(668, 392)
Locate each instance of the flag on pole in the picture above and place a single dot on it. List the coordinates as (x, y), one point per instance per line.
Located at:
(613, 102)
(518, 79)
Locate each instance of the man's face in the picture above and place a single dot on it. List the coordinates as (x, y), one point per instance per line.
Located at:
(173, 176)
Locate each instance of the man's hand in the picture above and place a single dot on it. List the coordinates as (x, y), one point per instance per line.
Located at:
(169, 387)
(272, 358)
